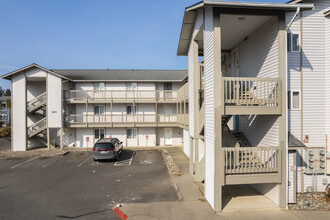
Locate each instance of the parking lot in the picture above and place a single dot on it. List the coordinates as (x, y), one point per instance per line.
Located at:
(73, 186)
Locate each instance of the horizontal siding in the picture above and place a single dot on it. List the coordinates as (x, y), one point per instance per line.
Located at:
(270, 190)
(198, 24)
(314, 107)
(209, 107)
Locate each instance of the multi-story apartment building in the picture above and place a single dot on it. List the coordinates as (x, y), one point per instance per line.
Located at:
(257, 97)
(258, 106)
(4, 110)
(77, 107)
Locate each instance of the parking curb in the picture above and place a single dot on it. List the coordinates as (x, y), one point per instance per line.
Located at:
(121, 214)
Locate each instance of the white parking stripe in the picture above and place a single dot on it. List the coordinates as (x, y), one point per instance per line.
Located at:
(52, 161)
(84, 161)
(23, 162)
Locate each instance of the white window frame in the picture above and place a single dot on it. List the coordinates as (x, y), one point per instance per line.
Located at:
(133, 110)
(99, 129)
(98, 88)
(99, 109)
(291, 43)
(129, 86)
(290, 93)
(133, 133)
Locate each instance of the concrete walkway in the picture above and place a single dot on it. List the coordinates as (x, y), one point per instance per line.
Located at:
(192, 205)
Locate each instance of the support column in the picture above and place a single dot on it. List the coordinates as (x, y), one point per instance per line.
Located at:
(218, 109)
(196, 110)
(283, 127)
(61, 138)
(191, 157)
(48, 139)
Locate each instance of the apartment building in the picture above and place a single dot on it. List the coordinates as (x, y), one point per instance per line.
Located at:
(4, 110)
(258, 105)
(62, 107)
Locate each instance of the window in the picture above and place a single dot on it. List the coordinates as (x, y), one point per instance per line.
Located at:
(293, 42)
(294, 100)
(130, 109)
(131, 86)
(99, 86)
(99, 133)
(99, 110)
(131, 133)
(167, 86)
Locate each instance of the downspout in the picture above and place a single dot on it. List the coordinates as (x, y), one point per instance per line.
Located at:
(292, 20)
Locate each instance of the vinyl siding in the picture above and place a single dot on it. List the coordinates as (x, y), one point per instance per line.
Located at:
(327, 76)
(294, 82)
(186, 142)
(198, 24)
(314, 107)
(209, 107)
(259, 58)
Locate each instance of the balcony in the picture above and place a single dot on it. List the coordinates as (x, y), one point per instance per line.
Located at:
(246, 96)
(121, 120)
(120, 96)
(249, 165)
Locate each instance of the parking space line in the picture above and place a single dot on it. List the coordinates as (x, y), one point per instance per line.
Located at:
(84, 161)
(24, 162)
(127, 162)
(52, 161)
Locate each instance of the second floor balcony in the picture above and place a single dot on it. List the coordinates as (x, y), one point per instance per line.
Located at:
(124, 120)
(120, 96)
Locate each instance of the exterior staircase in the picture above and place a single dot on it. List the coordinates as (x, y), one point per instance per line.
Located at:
(37, 127)
(37, 103)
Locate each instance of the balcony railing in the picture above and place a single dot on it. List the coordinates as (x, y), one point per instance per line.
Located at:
(242, 91)
(120, 95)
(251, 160)
(120, 118)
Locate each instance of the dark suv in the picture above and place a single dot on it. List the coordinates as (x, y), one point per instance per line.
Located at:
(107, 148)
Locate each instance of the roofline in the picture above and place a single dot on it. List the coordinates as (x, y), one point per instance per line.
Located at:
(327, 13)
(243, 5)
(100, 80)
(8, 75)
(294, 1)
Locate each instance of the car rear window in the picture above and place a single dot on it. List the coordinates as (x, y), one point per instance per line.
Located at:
(103, 146)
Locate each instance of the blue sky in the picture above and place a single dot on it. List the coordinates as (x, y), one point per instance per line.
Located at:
(92, 34)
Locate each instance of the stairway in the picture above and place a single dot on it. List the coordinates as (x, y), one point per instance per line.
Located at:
(37, 127)
(37, 103)
(241, 139)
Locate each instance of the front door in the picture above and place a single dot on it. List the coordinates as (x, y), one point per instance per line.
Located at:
(168, 136)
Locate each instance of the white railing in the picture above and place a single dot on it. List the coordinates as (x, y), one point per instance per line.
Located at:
(120, 118)
(252, 91)
(121, 95)
(37, 127)
(37, 102)
(251, 160)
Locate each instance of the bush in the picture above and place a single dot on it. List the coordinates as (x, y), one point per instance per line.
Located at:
(5, 132)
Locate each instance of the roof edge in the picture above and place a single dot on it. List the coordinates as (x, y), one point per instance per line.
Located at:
(8, 75)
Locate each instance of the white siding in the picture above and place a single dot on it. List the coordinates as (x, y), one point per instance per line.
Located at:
(209, 106)
(314, 108)
(143, 140)
(186, 142)
(270, 190)
(54, 101)
(198, 24)
(19, 112)
(327, 75)
(291, 176)
(294, 82)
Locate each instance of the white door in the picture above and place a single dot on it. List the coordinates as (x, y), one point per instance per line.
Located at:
(168, 136)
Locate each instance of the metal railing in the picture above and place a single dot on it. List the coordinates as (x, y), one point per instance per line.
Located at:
(120, 118)
(37, 102)
(37, 127)
(121, 95)
(252, 91)
(251, 160)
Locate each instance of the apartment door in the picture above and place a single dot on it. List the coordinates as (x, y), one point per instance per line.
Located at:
(131, 90)
(168, 136)
(99, 114)
(235, 73)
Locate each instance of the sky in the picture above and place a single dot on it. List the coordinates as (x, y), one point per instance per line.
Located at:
(92, 34)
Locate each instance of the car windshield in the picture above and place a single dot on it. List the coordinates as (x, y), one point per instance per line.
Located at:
(103, 146)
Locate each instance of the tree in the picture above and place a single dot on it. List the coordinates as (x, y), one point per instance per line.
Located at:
(7, 92)
(1, 91)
